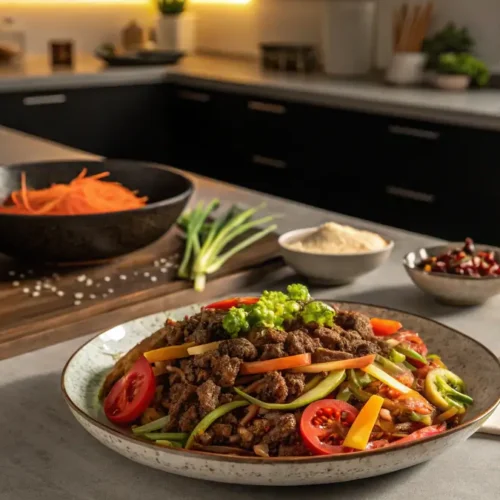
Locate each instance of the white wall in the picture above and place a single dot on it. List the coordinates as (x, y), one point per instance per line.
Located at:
(300, 21)
(88, 25)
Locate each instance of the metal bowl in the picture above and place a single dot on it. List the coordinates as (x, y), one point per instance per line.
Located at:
(451, 289)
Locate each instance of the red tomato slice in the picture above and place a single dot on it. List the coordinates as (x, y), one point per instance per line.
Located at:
(319, 426)
(431, 430)
(226, 304)
(375, 445)
(132, 394)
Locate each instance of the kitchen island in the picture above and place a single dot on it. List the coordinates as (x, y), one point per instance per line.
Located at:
(46, 455)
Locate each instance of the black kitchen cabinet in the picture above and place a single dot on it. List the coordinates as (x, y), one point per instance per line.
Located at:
(120, 122)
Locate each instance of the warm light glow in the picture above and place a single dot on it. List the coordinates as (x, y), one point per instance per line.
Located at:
(75, 2)
(241, 2)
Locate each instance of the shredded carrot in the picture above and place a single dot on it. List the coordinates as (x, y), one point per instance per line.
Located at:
(83, 195)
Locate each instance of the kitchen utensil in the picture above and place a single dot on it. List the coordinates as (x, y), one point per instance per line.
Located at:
(451, 288)
(330, 269)
(85, 371)
(81, 238)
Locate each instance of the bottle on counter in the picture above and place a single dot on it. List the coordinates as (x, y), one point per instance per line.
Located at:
(132, 37)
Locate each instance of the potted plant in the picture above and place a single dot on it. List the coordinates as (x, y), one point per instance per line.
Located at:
(175, 28)
(458, 71)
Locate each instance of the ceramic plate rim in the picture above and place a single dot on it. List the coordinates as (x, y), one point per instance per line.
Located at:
(286, 460)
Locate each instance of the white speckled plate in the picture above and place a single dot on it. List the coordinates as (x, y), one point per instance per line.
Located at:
(84, 372)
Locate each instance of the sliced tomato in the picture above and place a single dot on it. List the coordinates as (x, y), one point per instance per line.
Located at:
(383, 327)
(271, 365)
(425, 432)
(324, 425)
(226, 304)
(132, 394)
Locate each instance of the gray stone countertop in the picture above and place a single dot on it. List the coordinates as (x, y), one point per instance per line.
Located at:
(46, 455)
(475, 108)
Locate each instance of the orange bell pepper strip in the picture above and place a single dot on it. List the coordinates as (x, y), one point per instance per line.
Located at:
(168, 353)
(361, 429)
(383, 327)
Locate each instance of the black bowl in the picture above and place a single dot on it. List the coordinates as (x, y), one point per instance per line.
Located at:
(84, 238)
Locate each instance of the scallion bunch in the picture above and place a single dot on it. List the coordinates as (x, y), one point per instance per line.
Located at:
(210, 243)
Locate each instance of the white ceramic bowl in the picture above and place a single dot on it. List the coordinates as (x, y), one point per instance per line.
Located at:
(84, 373)
(330, 269)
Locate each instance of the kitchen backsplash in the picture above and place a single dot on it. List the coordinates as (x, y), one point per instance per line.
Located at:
(238, 29)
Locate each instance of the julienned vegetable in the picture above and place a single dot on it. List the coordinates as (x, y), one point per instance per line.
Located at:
(385, 378)
(168, 353)
(359, 433)
(269, 365)
(156, 425)
(325, 387)
(382, 327)
(446, 390)
(343, 364)
(209, 419)
(210, 244)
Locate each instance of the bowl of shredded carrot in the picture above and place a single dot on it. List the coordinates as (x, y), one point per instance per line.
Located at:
(79, 211)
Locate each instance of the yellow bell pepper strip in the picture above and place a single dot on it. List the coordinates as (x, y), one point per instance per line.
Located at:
(343, 364)
(156, 425)
(446, 390)
(209, 419)
(321, 391)
(361, 429)
(166, 436)
(203, 348)
(168, 353)
(448, 414)
(385, 378)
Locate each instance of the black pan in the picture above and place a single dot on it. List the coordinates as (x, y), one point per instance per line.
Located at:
(84, 238)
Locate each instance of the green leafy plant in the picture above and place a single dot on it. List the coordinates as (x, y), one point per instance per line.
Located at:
(464, 64)
(169, 7)
(449, 39)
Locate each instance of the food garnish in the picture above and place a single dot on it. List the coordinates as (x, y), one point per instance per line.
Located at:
(465, 261)
(83, 195)
(283, 374)
(210, 244)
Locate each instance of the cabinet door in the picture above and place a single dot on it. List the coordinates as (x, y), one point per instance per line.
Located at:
(126, 122)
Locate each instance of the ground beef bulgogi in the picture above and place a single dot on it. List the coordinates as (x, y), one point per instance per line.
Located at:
(193, 387)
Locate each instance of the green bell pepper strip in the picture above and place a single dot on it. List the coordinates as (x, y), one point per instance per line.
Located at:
(389, 367)
(166, 436)
(312, 383)
(359, 380)
(168, 444)
(156, 425)
(344, 395)
(423, 419)
(323, 389)
(209, 419)
(396, 357)
(444, 389)
(410, 367)
(358, 393)
(411, 355)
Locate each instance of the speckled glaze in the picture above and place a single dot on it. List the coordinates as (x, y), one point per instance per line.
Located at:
(85, 370)
(83, 238)
(449, 288)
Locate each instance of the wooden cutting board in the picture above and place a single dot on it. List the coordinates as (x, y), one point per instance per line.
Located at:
(43, 306)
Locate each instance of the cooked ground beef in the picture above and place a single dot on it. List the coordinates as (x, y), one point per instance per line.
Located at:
(273, 388)
(205, 327)
(351, 320)
(295, 383)
(272, 351)
(267, 336)
(208, 396)
(283, 427)
(179, 394)
(300, 342)
(193, 373)
(223, 369)
(323, 355)
(331, 338)
(226, 397)
(239, 348)
(296, 449)
(189, 419)
(221, 432)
